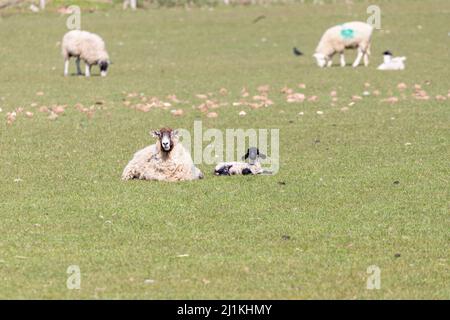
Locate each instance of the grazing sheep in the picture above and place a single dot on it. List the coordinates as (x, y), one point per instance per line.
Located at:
(253, 166)
(391, 63)
(167, 160)
(350, 35)
(86, 46)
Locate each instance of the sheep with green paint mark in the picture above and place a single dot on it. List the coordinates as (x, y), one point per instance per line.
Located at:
(350, 35)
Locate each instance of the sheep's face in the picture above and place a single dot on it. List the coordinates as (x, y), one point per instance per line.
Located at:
(103, 68)
(166, 137)
(387, 56)
(252, 155)
(321, 59)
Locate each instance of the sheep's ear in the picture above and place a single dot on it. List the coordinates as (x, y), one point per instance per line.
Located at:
(246, 156)
(155, 133)
(174, 134)
(261, 155)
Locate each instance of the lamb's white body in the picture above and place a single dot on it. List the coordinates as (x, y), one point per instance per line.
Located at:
(151, 163)
(238, 168)
(351, 35)
(86, 46)
(392, 63)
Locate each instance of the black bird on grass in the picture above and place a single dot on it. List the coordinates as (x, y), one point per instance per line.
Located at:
(297, 52)
(257, 19)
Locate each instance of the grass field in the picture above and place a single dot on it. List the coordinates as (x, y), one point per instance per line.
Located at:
(365, 186)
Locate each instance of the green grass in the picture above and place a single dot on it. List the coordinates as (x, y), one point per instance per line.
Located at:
(339, 204)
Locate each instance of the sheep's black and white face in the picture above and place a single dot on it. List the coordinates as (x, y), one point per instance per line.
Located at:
(321, 59)
(166, 138)
(387, 56)
(103, 67)
(253, 154)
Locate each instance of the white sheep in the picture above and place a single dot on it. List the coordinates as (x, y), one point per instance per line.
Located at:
(167, 160)
(336, 39)
(392, 63)
(253, 166)
(86, 46)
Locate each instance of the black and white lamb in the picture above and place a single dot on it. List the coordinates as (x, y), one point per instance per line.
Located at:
(251, 167)
(392, 63)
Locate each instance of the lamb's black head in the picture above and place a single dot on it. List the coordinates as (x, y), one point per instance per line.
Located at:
(103, 67)
(253, 154)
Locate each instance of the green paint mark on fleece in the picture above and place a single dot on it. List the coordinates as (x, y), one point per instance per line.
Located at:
(347, 33)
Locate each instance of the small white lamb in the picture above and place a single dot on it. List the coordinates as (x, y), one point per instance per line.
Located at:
(253, 166)
(167, 160)
(392, 63)
(86, 46)
(351, 35)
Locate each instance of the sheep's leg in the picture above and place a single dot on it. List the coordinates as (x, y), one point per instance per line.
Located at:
(366, 56)
(342, 59)
(358, 58)
(88, 70)
(366, 59)
(66, 67)
(78, 66)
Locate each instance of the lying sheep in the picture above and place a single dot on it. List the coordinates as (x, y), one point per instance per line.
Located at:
(86, 46)
(253, 166)
(392, 63)
(167, 160)
(350, 35)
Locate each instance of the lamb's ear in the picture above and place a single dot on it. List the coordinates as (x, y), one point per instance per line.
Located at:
(155, 133)
(245, 156)
(259, 154)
